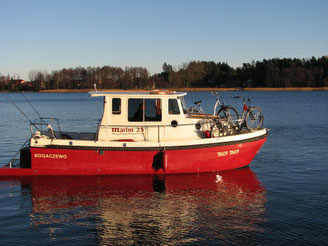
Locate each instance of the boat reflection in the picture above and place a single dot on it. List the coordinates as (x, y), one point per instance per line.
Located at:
(150, 209)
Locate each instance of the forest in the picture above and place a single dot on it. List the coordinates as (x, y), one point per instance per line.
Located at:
(273, 73)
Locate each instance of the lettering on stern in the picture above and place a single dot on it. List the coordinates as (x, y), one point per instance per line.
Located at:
(50, 156)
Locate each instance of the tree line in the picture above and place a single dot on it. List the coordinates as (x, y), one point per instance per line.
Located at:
(277, 72)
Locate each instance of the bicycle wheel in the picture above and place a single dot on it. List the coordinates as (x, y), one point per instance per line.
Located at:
(254, 118)
(230, 114)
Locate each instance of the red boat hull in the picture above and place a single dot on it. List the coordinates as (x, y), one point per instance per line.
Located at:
(66, 161)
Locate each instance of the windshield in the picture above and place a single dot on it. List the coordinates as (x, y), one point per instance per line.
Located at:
(183, 103)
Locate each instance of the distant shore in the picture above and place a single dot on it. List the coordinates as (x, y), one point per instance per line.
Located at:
(194, 89)
(183, 89)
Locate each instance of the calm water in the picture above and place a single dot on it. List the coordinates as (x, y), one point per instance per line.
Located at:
(282, 199)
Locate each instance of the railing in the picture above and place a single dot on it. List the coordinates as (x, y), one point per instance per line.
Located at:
(145, 132)
(42, 123)
(12, 162)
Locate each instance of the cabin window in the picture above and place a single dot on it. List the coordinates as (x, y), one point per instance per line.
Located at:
(144, 109)
(135, 110)
(116, 106)
(174, 106)
(153, 110)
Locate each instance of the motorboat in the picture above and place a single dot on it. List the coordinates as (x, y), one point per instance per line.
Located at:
(139, 133)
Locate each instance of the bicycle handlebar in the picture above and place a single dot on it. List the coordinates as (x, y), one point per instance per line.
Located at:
(244, 98)
(214, 93)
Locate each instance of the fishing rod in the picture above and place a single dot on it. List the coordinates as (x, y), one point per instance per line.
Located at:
(31, 122)
(34, 109)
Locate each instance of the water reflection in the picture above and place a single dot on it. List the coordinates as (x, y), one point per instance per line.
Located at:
(171, 209)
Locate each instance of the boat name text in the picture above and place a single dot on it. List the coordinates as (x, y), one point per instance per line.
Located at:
(133, 130)
(50, 156)
(228, 152)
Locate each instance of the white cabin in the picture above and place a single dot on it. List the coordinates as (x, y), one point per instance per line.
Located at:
(149, 116)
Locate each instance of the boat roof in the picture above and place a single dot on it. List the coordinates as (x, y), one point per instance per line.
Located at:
(150, 94)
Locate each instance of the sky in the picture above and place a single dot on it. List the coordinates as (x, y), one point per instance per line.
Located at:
(55, 34)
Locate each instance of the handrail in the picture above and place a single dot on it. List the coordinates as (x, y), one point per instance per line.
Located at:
(146, 133)
(47, 118)
(41, 122)
(163, 125)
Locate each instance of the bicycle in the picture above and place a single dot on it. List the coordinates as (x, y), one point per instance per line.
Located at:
(197, 109)
(227, 118)
(225, 111)
(252, 117)
(223, 121)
